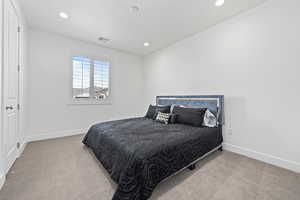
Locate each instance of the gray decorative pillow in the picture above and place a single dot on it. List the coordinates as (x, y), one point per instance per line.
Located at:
(210, 120)
(163, 117)
(175, 105)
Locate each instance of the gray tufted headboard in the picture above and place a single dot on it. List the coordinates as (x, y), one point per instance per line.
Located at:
(215, 103)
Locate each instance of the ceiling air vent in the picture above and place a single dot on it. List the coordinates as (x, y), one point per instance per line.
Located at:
(103, 39)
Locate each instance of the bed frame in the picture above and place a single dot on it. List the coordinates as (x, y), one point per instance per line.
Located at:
(215, 103)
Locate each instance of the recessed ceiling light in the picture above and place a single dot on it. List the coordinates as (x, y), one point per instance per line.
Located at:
(146, 44)
(135, 8)
(63, 15)
(220, 3)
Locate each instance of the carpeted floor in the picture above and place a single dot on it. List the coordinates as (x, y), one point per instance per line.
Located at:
(63, 169)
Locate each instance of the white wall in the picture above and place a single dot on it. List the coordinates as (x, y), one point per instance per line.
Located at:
(253, 59)
(49, 76)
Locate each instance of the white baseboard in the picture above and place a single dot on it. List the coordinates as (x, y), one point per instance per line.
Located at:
(2, 180)
(22, 148)
(52, 135)
(273, 160)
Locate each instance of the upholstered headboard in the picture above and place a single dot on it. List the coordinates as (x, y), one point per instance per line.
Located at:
(215, 103)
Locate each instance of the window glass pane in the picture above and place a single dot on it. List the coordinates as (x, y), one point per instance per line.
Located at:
(81, 77)
(101, 79)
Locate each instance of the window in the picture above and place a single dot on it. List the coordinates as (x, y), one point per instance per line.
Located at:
(90, 79)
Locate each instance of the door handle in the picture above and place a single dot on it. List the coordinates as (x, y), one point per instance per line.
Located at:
(9, 108)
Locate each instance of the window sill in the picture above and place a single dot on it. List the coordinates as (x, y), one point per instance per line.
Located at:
(90, 102)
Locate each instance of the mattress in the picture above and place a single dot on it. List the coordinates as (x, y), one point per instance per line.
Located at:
(139, 153)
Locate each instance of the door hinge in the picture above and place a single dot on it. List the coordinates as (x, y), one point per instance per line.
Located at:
(18, 107)
(18, 145)
(19, 29)
(19, 68)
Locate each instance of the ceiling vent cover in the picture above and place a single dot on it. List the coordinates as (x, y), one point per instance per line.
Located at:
(103, 39)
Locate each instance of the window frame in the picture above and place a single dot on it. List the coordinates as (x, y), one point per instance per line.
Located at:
(91, 101)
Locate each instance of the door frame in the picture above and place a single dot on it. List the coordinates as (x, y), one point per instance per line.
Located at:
(6, 168)
(2, 161)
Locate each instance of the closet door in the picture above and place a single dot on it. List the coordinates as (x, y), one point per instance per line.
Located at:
(11, 82)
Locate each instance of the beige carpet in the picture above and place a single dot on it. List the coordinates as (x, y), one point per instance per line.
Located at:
(62, 169)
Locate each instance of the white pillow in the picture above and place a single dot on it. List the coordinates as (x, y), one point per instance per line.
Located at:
(210, 120)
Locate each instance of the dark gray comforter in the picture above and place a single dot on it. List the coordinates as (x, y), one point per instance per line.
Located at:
(139, 153)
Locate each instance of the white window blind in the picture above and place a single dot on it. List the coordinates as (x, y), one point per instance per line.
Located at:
(91, 78)
(101, 79)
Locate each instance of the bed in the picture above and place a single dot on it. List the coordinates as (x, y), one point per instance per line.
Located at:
(139, 153)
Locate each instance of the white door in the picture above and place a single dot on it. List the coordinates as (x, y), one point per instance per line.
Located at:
(11, 82)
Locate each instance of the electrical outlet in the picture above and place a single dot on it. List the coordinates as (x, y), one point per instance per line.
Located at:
(229, 132)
